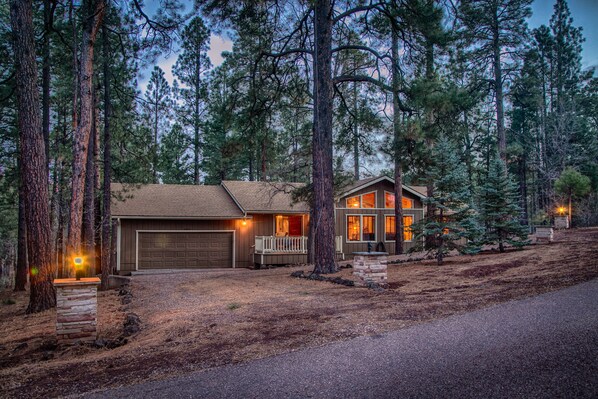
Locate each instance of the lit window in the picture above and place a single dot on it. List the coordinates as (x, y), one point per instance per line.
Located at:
(389, 201)
(353, 228)
(369, 228)
(368, 200)
(390, 228)
(289, 225)
(353, 202)
(361, 228)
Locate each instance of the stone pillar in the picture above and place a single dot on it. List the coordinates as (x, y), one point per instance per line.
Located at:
(370, 269)
(76, 309)
(544, 234)
(561, 222)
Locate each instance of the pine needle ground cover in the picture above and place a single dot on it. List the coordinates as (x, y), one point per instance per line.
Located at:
(194, 321)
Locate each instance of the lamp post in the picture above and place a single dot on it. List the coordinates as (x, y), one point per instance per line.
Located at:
(78, 261)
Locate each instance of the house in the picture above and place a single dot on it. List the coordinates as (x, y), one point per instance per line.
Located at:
(241, 223)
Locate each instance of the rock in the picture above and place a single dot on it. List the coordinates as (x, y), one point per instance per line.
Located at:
(47, 355)
(132, 325)
(49, 345)
(100, 343)
(298, 273)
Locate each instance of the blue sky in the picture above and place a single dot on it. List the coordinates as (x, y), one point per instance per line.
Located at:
(584, 13)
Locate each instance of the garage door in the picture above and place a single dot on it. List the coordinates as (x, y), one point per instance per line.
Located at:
(185, 250)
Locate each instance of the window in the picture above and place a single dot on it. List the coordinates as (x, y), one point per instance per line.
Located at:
(390, 228)
(354, 202)
(368, 200)
(362, 201)
(288, 225)
(361, 228)
(389, 201)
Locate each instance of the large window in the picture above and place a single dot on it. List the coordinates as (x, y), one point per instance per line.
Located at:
(362, 201)
(289, 225)
(361, 228)
(389, 201)
(390, 232)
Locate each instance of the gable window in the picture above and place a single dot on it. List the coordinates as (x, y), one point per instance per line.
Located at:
(390, 228)
(362, 201)
(389, 201)
(361, 228)
(288, 225)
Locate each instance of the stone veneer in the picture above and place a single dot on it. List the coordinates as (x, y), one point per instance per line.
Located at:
(544, 234)
(76, 309)
(370, 269)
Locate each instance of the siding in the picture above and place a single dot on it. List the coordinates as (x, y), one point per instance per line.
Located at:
(380, 212)
(244, 237)
(257, 225)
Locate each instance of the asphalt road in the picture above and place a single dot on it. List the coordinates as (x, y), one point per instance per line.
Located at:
(540, 347)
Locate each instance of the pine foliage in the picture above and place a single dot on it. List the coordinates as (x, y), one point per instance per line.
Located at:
(499, 211)
(453, 224)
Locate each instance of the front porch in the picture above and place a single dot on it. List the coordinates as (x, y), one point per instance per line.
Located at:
(273, 250)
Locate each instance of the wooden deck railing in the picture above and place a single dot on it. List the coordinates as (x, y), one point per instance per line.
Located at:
(288, 245)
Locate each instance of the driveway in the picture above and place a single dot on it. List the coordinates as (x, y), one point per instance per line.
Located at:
(545, 346)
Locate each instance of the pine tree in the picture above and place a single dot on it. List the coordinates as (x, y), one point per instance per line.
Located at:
(173, 160)
(452, 225)
(157, 108)
(191, 68)
(499, 211)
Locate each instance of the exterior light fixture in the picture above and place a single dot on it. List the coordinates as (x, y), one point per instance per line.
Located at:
(78, 261)
(562, 210)
(244, 222)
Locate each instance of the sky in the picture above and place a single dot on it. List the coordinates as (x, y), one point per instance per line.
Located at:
(584, 13)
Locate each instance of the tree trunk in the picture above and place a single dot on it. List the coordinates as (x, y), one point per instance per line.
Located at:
(106, 215)
(22, 265)
(196, 129)
(398, 166)
(93, 14)
(87, 230)
(323, 209)
(33, 166)
(46, 81)
(355, 133)
(498, 88)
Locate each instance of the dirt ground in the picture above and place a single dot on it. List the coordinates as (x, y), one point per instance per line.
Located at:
(193, 321)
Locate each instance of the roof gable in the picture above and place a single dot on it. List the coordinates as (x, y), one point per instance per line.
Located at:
(361, 184)
(265, 197)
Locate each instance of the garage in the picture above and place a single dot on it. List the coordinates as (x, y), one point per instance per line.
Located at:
(184, 249)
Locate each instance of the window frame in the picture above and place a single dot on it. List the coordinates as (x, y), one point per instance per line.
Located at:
(360, 196)
(392, 193)
(386, 216)
(287, 215)
(361, 215)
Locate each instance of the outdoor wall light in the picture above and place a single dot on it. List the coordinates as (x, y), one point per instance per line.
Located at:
(78, 262)
(561, 210)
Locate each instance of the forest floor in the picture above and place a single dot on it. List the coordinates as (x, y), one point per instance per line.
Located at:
(194, 321)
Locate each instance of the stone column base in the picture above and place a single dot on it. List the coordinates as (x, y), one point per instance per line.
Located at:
(76, 309)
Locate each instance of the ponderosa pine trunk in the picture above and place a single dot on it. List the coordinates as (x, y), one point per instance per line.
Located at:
(33, 157)
(323, 185)
(93, 11)
(498, 89)
(22, 265)
(398, 167)
(87, 228)
(46, 81)
(106, 214)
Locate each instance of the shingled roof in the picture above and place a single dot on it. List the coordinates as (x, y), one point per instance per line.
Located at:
(173, 201)
(265, 197)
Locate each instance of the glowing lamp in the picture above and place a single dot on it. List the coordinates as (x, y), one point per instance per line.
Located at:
(244, 222)
(562, 210)
(78, 262)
